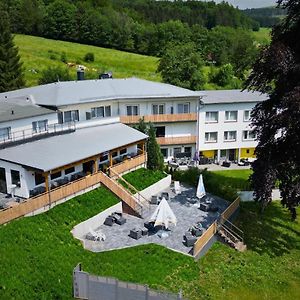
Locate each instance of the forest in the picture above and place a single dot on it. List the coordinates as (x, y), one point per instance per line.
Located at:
(219, 33)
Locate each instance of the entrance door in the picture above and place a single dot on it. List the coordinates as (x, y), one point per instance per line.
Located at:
(231, 155)
(3, 187)
(87, 167)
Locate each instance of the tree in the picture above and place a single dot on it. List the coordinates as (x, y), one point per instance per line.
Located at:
(11, 76)
(54, 74)
(155, 157)
(181, 65)
(277, 120)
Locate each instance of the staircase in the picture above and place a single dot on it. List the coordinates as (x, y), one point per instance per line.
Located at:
(231, 235)
(135, 201)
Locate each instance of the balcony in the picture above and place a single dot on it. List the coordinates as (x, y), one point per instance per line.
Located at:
(181, 140)
(165, 118)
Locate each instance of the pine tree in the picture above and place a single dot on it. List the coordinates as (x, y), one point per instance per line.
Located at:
(11, 76)
(155, 157)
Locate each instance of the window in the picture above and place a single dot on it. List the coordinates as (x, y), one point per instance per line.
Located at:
(164, 152)
(123, 151)
(39, 178)
(158, 109)
(176, 150)
(39, 126)
(55, 175)
(71, 115)
(132, 110)
(69, 170)
(101, 111)
(184, 108)
(231, 116)
(229, 136)
(249, 135)
(160, 131)
(15, 177)
(5, 133)
(211, 117)
(114, 154)
(211, 137)
(104, 158)
(247, 115)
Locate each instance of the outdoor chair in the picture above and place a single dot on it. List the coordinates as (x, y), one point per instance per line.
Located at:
(95, 236)
(196, 231)
(213, 208)
(150, 227)
(204, 207)
(135, 233)
(154, 200)
(165, 195)
(189, 240)
(109, 221)
(226, 164)
(119, 219)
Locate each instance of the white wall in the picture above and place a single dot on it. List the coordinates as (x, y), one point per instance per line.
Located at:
(180, 129)
(222, 126)
(26, 124)
(23, 190)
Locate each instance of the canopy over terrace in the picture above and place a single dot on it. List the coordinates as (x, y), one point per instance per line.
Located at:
(56, 153)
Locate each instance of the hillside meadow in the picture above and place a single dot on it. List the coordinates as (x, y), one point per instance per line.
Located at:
(40, 53)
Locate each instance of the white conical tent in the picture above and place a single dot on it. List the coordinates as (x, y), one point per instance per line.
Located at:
(163, 214)
(200, 188)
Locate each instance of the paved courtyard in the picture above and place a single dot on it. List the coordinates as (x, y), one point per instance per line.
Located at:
(185, 209)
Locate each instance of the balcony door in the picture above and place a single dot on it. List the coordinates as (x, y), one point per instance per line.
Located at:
(3, 187)
(160, 131)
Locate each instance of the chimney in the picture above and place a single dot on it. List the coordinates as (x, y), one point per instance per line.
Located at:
(80, 73)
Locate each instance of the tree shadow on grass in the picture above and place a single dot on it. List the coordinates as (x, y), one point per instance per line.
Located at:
(272, 232)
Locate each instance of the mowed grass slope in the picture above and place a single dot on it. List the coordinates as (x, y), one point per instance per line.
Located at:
(38, 254)
(36, 54)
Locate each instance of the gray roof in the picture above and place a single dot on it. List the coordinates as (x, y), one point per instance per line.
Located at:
(73, 92)
(20, 108)
(54, 152)
(232, 96)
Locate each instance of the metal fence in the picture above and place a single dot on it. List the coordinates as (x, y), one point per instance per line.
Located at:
(86, 286)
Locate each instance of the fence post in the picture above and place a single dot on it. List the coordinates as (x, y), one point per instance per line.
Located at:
(147, 292)
(117, 290)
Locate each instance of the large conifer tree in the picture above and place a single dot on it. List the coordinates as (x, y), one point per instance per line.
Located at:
(277, 120)
(11, 76)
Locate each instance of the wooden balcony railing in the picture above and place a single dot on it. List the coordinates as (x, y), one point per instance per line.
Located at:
(71, 188)
(177, 140)
(129, 164)
(165, 118)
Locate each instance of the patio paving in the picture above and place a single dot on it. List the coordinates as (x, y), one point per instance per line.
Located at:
(187, 213)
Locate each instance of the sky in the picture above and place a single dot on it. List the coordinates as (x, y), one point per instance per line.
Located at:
(242, 4)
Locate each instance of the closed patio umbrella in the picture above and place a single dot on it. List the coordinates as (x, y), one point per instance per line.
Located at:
(163, 215)
(200, 188)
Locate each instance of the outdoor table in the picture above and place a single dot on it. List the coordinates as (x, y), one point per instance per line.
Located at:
(135, 233)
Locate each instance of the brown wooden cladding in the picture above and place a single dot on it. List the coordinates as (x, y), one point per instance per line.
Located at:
(181, 140)
(164, 118)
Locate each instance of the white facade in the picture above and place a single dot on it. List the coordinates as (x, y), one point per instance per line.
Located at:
(228, 130)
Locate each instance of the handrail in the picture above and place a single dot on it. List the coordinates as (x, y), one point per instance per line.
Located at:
(25, 134)
(232, 232)
(224, 221)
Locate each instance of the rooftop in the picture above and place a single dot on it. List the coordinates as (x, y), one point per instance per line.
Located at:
(232, 96)
(57, 151)
(19, 108)
(73, 92)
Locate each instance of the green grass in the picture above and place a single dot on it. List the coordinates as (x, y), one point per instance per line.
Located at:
(143, 178)
(263, 36)
(36, 52)
(38, 254)
(239, 174)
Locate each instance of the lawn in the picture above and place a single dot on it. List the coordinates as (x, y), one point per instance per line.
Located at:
(38, 254)
(143, 178)
(39, 53)
(263, 36)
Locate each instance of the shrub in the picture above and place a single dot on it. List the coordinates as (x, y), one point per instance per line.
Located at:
(54, 74)
(63, 57)
(89, 57)
(52, 57)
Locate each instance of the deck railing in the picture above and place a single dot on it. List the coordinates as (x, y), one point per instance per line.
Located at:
(70, 189)
(164, 118)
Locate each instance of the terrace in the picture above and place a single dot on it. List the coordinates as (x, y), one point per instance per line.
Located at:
(187, 212)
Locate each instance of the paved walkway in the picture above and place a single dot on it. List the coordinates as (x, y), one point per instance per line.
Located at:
(214, 167)
(184, 208)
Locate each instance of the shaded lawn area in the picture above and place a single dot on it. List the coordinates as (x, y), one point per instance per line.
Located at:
(38, 254)
(240, 174)
(143, 178)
